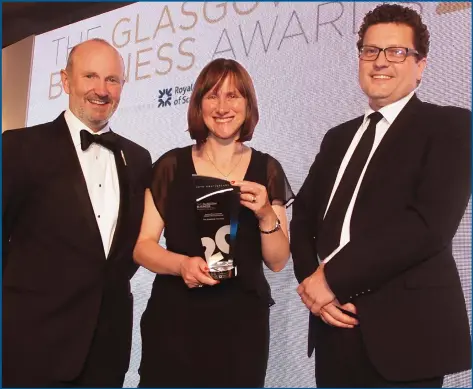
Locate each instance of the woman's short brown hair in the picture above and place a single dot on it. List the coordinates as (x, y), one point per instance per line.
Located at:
(212, 76)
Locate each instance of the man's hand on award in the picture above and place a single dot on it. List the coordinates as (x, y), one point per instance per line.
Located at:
(337, 315)
(195, 272)
(315, 292)
(255, 197)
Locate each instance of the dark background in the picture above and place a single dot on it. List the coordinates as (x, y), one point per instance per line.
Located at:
(21, 20)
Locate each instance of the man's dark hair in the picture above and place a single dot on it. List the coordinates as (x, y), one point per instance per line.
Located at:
(393, 13)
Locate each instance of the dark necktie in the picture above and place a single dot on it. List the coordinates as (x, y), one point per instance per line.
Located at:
(329, 237)
(108, 140)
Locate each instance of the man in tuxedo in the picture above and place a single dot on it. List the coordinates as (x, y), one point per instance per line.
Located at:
(372, 226)
(72, 205)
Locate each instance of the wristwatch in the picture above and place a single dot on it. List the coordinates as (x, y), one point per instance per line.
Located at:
(276, 228)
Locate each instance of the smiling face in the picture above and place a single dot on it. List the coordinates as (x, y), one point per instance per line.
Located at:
(224, 110)
(385, 82)
(94, 83)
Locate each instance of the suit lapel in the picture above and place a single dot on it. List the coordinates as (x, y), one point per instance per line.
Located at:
(123, 179)
(338, 152)
(68, 158)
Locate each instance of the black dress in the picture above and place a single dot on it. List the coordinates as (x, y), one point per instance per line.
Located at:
(186, 341)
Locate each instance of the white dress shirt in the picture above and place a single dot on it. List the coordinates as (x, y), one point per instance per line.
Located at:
(100, 173)
(389, 112)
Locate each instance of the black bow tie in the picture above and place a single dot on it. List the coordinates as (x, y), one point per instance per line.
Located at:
(108, 140)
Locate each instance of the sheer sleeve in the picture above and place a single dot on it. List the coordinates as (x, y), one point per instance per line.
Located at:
(278, 185)
(162, 177)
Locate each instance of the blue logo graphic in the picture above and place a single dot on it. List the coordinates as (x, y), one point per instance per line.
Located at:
(165, 97)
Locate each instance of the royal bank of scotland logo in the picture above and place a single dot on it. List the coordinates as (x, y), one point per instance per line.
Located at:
(164, 97)
(175, 96)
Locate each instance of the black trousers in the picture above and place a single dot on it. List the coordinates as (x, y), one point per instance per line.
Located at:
(345, 364)
(97, 374)
(109, 354)
(99, 371)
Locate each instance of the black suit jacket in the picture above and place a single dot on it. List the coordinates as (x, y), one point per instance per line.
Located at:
(58, 287)
(398, 267)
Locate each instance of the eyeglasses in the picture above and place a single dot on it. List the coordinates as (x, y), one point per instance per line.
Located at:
(392, 54)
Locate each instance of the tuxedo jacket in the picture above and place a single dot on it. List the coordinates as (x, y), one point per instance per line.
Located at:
(398, 267)
(58, 286)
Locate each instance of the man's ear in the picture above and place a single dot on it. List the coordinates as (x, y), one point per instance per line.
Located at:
(421, 65)
(65, 81)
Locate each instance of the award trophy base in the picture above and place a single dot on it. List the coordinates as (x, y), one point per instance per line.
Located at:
(222, 270)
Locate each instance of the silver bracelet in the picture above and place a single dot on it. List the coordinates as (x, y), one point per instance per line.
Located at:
(276, 228)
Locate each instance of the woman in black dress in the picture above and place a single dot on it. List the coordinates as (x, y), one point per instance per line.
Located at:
(216, 335)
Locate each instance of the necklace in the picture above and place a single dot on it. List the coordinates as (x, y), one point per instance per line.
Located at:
(215, 166)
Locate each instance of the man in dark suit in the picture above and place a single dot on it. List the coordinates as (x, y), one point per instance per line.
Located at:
(378, 211)
(72, 205)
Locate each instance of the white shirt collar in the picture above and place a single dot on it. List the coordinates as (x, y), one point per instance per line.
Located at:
(391, 111)
(75, 126)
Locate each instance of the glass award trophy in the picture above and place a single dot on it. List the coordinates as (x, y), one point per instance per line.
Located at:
(217, 205)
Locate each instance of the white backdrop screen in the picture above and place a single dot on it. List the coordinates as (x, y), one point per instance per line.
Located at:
(303, 60)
